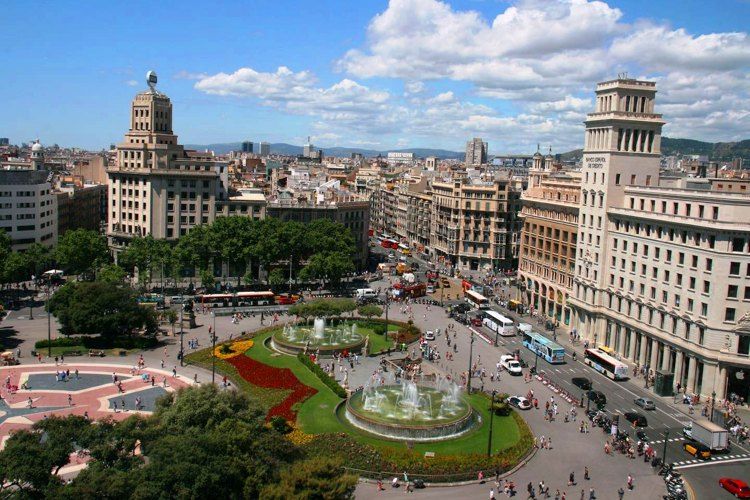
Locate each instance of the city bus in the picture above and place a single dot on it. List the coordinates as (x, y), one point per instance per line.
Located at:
(606, 364)
(477, 300)
(536, 342)
(240, 299)
(499, 324)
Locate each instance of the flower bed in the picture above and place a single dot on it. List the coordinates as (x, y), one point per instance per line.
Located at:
(262, 375)
(235, 349)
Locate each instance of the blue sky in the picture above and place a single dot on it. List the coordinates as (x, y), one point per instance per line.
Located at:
(372, 73)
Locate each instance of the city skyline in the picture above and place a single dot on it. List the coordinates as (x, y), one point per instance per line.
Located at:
(514, 73)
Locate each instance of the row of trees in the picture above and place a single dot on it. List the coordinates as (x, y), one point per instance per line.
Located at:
(319, 250)
(197, 444)
(326, 249)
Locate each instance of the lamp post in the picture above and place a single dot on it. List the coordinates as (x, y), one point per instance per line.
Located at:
(386, 314)
(213, 349)
(664, 453)
(182, 336)
(492, 414)
(31, 302)
(536, 359)
(582, 396)
(713, 402)
(49, 326)
(471, 354)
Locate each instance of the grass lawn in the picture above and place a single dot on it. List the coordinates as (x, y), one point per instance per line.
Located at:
(316, 415)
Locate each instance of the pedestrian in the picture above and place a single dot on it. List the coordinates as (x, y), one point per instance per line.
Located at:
(56, 358)
(592, 494)
(492, 493)
(195, 378)
(620, 493)
(162, 364)
(70, 400)
(174, 372)
(77, 377)
(630, 482)
(62, 359)
(572, 479)
(586, 473)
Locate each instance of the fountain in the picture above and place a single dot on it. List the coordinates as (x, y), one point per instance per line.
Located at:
(407, 410)
(322, 338)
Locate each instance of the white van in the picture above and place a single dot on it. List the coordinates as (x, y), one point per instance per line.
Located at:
(366, 293)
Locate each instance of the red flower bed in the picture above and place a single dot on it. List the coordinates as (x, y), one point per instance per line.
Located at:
(266, 376)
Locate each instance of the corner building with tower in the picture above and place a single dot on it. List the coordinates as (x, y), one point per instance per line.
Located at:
(662, 268)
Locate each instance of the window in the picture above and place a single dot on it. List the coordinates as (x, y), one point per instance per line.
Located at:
(704, 309)
(732, 291)
(632, 179)
(709, 265)
(738, 244)
(706, 286)
(747, 293)
(617, 179)
(678, 280)
(715, 214)
(666, 276)
(694, 263)
(681, 258)
(664, 297)
(690, 305)
(734, 268)
(692, 283)
(669, 256)
(729, 314)
(701, 211)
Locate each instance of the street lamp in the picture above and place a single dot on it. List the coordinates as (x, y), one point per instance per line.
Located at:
(213, 351)
(182, 336)
(492, 414)
(471, 354)
(582, 396)
(49, 326)
(713, 402)
(664, 454)
(31, 302)
(536, 360)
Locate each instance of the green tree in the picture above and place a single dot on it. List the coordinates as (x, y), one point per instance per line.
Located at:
(16, 268)
(25, 466)
(111, 273)
(149, 255)
(277, 277)
(319, 478)
(100, 308)
(325, 235)
(5, 247)
(207, 279)
(370, 310)
(81, 251)
(328, 266)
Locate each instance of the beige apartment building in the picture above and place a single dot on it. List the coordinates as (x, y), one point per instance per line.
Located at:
(662, 266)
(419, 214)
(548, 238)
(475, 223)
(158, 188)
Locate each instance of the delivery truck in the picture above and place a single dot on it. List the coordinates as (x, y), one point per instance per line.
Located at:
(712, 435)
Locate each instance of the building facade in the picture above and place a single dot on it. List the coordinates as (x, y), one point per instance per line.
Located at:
(476, 152)
(549, 239)
(82, 207)
(157, 187)
(28, 208)
(661, 270)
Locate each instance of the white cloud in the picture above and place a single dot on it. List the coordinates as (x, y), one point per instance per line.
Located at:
(131, 83)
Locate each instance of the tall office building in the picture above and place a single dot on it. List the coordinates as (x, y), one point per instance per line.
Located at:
(476, 152)
(156, 186)
(28, 208)
(247, 147)
(662, 263)
(265, 149)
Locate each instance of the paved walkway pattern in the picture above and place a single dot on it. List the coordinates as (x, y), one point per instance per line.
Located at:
(92, 391)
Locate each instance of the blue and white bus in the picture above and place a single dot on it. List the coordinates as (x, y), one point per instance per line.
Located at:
(602, 362)
(499, 323)
(552, 352)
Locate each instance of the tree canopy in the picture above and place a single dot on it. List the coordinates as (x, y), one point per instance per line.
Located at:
(100, 308)
(199, 442)
(81, 251)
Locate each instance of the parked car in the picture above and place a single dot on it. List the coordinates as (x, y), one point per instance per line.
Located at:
(430, 288)
(645, 403)
(636, 419)
(597, 397)
(429, 335)
(736, 487)
(698, 450)
(582, 382)
(519, 402)
(510, 363)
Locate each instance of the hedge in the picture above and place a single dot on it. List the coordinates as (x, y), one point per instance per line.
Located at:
(322, 375)
(131, 342)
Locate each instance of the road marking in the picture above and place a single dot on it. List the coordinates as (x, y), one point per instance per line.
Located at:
(711, 462)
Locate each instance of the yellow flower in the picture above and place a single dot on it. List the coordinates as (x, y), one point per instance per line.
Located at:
(235, 349)
(298, 437)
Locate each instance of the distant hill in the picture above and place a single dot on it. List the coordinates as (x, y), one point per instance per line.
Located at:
(283, 148)
(720, 151)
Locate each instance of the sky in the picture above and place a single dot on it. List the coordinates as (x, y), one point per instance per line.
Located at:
(374, 74)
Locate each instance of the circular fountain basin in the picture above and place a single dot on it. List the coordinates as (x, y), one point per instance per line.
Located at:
(431, 416)
(314, 338)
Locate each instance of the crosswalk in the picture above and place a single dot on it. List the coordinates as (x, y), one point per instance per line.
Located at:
(713, 459)
(672, 440)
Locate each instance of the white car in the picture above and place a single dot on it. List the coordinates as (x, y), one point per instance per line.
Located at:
(511, 364)
(429, 335)
(519, 402)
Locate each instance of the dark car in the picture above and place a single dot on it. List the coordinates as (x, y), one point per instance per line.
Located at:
(597, 397)
(582, 383)
(462, 308)
(636, 419)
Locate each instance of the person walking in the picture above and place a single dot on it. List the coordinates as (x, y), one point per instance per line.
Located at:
(630, 482)
(586, 473)
(70, 400)
(572, 479)
(620, 493)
